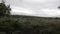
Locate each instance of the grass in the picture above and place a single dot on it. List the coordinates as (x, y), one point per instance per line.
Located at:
(34, 25)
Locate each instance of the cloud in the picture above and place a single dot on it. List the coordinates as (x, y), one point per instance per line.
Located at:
(45, 8)
(38, 4)
(35, 4)
(40, 13)
(21, 11)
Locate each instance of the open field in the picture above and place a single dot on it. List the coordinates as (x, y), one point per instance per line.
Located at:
(29, 25)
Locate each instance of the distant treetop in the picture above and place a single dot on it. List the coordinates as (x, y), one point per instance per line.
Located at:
(58, 7)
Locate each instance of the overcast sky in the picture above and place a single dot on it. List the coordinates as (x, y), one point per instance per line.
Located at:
(45, 8)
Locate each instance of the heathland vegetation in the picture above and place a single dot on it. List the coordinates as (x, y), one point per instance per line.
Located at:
(14, 24)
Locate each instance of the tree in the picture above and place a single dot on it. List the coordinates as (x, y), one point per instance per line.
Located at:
(58, 7)
(4, 10)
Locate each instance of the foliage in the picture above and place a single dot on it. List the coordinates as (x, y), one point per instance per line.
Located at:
(34, 25)
(4, 10)
(26, 25)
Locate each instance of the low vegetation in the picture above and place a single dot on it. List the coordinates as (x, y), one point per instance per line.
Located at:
(14, 24)
(29, 25)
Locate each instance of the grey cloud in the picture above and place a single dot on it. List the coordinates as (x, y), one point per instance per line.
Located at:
(35, 3)
(36, 6)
